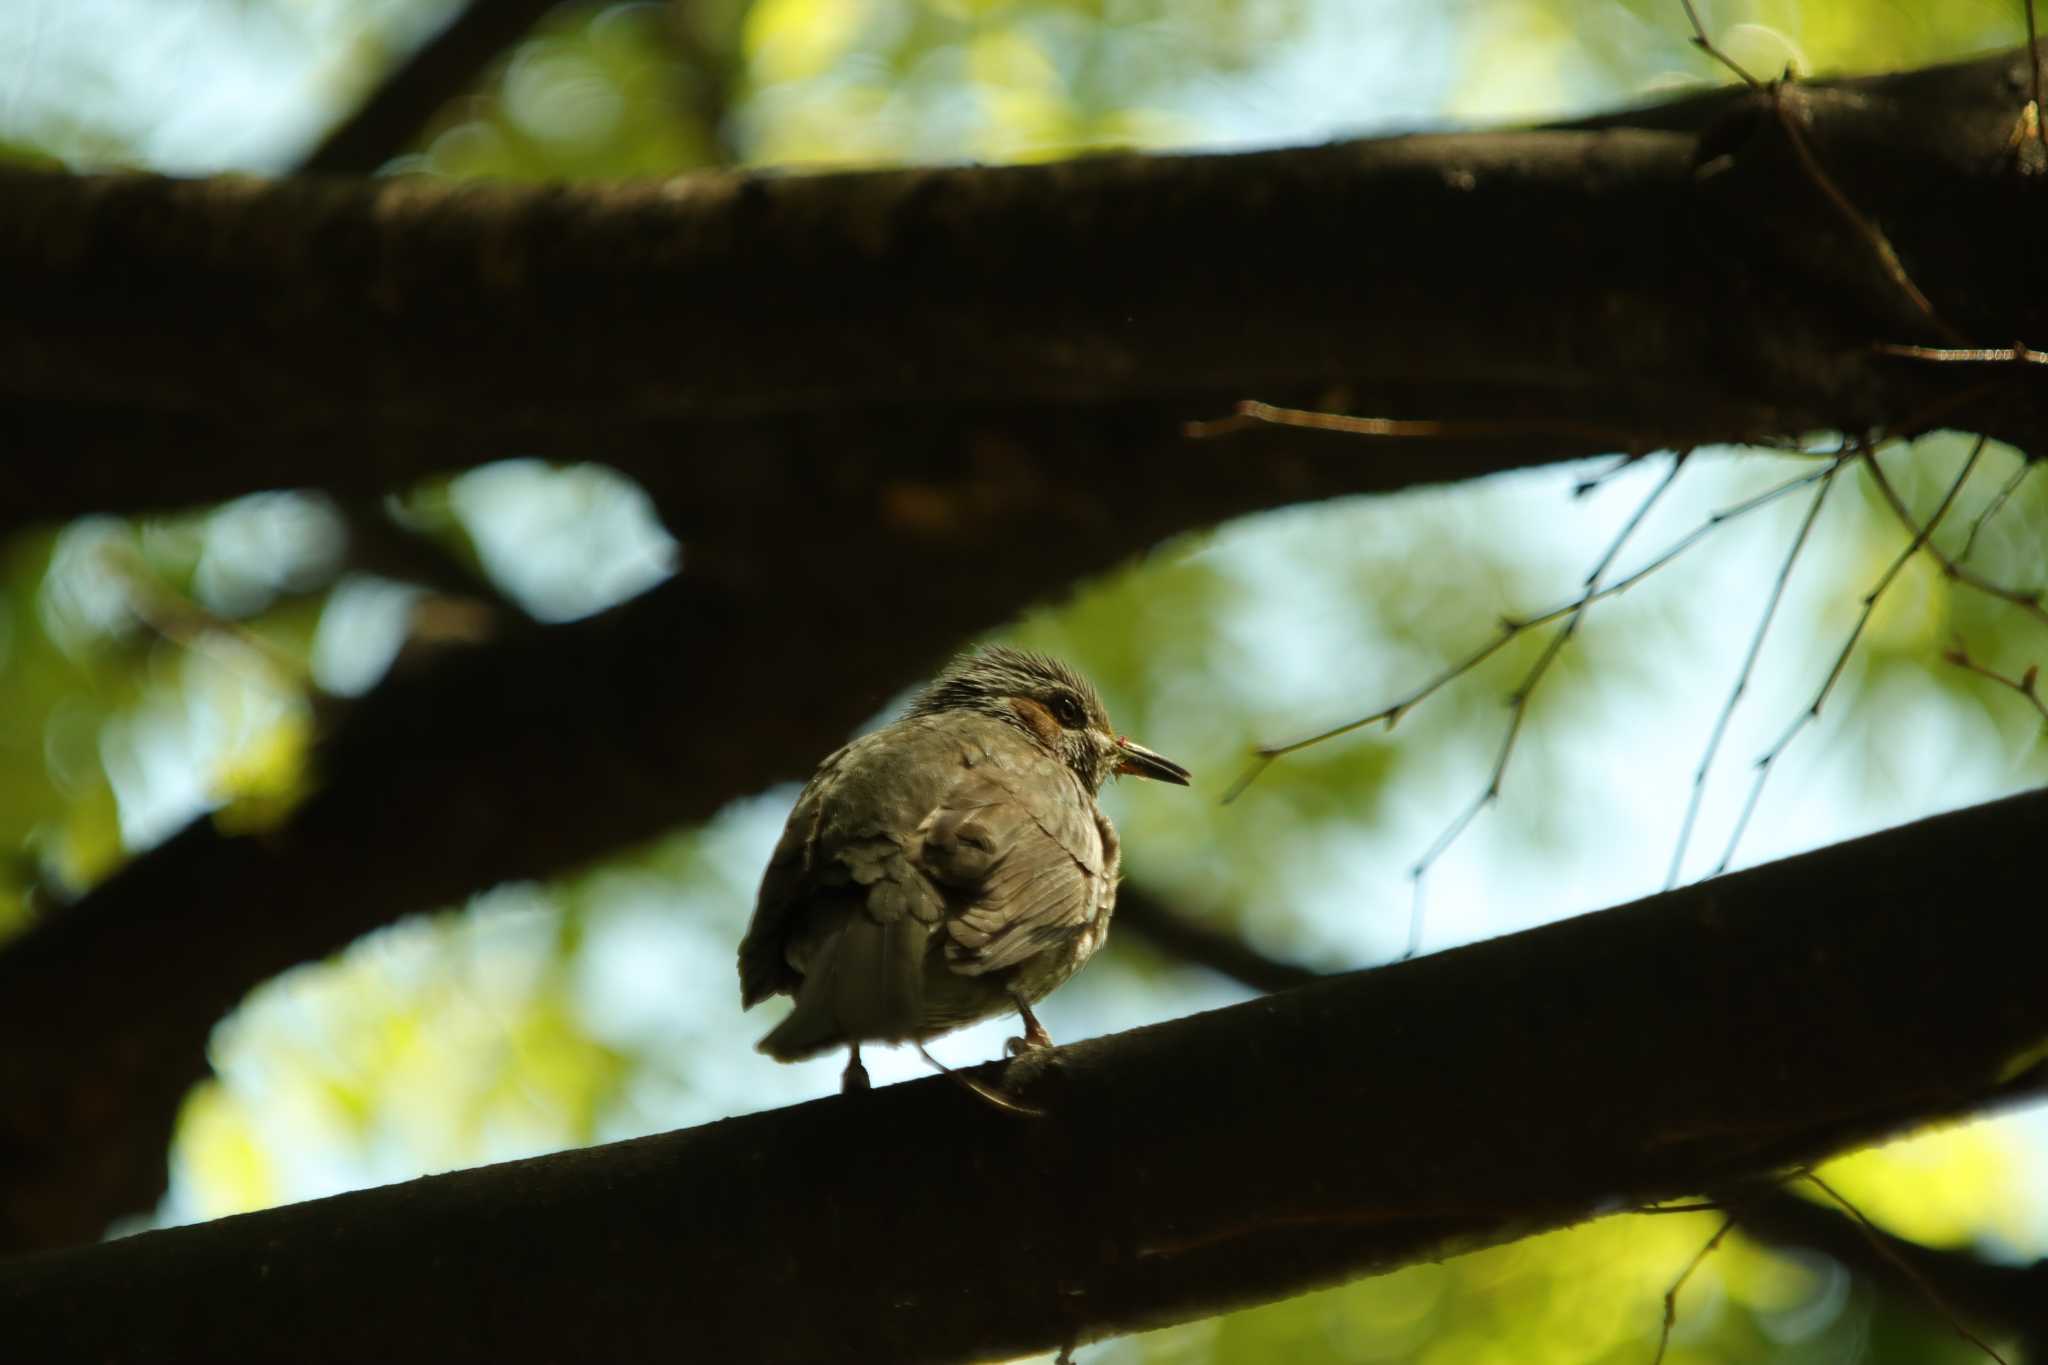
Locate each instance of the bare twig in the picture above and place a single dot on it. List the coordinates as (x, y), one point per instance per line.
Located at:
(1919, 539)
(1512, 627)
(2027, 684)
(1883, 1248)
(185, 623)
(1252, 412)
(1705, 44)
(1671, 1294)
(1756, 645)
(1880, 246)
(1991, 509)
(2026, 599)
(1518, 700)
(1967, 355)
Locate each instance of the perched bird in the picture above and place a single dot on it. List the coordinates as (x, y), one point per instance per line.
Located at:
(946, 868)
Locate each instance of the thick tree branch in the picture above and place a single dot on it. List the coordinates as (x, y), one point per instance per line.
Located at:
(443, 67)
(1366, 1121)
(1673, 273)
(816, 589)
(2008, 1299)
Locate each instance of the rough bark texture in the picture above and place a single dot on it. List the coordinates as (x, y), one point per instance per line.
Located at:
(1668, 277)
(1695, 1040)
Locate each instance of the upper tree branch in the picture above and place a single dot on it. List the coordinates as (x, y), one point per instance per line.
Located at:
(1364, 1122)
(1674, 273)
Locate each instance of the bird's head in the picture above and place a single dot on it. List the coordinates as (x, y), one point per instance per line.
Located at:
(1052, 704)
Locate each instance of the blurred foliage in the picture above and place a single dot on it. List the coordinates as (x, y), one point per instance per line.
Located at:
(600, 90)
(1594, 1294)
(159, 668)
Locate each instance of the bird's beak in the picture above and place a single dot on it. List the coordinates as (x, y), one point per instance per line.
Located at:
(1140, 761)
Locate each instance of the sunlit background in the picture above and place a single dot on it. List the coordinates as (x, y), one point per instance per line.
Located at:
(157, 669)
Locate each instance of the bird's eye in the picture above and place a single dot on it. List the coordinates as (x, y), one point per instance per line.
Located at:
(1067, 707)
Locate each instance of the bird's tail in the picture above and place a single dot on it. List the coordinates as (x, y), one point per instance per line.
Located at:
(866, 983)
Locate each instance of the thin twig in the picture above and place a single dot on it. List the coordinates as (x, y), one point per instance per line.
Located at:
(1518, 701)
(2027, 600)
(1705, 44)
(1881, 247)
(1671, 1294)
(1991, 509)
(2026, 684)
(1756, 645)
(1966, 355)
(1511, 628)
(1690, 1206)
(185, 623)
(1882, 1245)
(1870, 600)
(1251, 412)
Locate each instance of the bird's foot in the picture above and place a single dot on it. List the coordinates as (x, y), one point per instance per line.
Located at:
(854, 1079)
(1035, 1036)
(1028, 1061)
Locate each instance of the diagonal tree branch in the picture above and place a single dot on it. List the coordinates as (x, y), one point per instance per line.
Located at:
(447, 64)
(1367, 1121)
(1670, 272)
(538, 751)
(2011, 1299)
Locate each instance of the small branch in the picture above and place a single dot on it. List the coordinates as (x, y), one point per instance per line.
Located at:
(2027, 600)
(1252, 412)
(1707, 45)
(1870, 600)
(1882, 1245)
(1873, 236)
(1512, 627)
(1992, 508)
(1742, 676)
(445, 66)
(1671, 1294)
(2013, 1298)
(1966, 355)
(2026, 684)
(1518, 701)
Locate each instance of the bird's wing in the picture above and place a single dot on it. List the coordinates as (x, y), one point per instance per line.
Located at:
(1023, 859)
(843, 853)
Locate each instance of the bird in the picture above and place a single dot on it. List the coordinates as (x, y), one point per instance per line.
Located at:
(946, 868)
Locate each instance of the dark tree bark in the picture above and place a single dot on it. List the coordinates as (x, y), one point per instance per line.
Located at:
(1696, 1040)
(1985, 1296)
(1664, 278)
(896, 407)
(815, 590)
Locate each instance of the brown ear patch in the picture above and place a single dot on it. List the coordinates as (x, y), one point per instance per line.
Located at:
(1036, 719)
